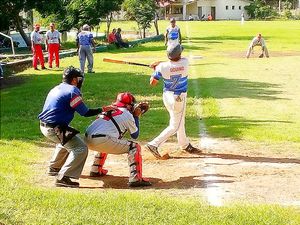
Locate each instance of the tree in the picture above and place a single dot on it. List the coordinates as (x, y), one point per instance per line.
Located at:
(259, 9)
(75, 13)
(11, 9)
(142, 11)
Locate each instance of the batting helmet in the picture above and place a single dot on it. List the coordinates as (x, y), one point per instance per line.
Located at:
(70, 73)
(125, 99)
(174, 52)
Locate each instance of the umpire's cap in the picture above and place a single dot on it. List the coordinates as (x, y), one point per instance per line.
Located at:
(174, 52)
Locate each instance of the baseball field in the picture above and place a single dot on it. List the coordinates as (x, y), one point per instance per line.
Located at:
(243, 114)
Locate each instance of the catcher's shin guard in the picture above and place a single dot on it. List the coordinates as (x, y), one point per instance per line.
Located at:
(135, 167)
(135, 162)
(97, 167)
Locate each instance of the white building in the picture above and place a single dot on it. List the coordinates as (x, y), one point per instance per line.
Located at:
(218, 9)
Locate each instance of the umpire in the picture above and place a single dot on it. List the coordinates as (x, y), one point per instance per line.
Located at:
(59, 108)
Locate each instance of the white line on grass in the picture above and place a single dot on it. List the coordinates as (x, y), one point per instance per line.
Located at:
(214, 191)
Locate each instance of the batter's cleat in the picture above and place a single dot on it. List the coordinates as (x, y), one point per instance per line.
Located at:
(191, 149)
(53, 171)
(91, 71)
(98, 174)
(153, 150)
(66, 182)
(140, 183)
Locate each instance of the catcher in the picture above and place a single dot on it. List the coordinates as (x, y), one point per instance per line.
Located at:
(105, 135)
(258, 41)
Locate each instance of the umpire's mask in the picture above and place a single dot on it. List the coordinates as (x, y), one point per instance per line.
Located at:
(70, 73)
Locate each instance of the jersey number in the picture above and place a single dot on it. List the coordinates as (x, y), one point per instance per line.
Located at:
(175, 79)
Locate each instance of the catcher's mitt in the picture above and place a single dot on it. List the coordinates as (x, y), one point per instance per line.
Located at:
(140, 108)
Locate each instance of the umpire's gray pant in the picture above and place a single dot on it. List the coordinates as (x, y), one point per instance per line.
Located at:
(85, 52)
(69, 158)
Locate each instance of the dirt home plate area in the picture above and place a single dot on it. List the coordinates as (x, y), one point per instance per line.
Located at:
(226, 172)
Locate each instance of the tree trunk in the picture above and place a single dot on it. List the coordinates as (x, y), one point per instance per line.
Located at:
(144, 32)
(279, 6)
(18, 23)
(108, 23)
(156, 26)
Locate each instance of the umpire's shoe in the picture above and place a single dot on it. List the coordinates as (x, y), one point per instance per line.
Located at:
(66, 182)
(193, 150)
(153, 150)
(140, 183)
(53, 171)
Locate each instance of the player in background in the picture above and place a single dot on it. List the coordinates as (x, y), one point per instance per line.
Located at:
(258, 41)
(53, 45)
(85, 42)
(105, 135)
(36, 47)
(173, 34)
(175, 77)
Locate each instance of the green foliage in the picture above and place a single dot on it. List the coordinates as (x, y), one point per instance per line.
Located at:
(142, 11)
(75, 13)
(258, 9)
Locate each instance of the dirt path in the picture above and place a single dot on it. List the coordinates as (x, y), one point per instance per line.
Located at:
(226, 172)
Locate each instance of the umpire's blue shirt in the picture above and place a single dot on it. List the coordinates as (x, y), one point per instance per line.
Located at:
(61, 104)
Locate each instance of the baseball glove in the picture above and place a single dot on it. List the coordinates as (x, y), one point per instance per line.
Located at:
(140, 108)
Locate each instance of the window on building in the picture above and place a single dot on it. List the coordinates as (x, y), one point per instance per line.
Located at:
(232, 7)
(240, 7)
(226, 7)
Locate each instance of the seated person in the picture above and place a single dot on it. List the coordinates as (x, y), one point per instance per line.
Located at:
(112, 37)
(209, 17)
(120, 43)
(191, 18)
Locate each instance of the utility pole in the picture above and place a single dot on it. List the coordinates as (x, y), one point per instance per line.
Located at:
(183, 9)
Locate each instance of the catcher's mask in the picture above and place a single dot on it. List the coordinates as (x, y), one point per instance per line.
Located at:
(125, 99)
(72, 72)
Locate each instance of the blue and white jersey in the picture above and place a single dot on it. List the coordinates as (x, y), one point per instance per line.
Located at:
(174, 74)
(61, 104)
(85, 38)
(173, 35)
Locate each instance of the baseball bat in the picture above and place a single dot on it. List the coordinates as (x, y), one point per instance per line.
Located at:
(123, 62)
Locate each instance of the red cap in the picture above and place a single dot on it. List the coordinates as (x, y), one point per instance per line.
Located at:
(124, 99)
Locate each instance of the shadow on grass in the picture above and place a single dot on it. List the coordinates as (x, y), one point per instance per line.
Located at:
(234, 126)
(224, 37)
(21, 105)
(11, 81)
(159, 47)
(221, 87)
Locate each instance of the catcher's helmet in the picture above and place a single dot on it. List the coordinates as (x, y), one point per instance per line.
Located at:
(72, 72)
(124, 99)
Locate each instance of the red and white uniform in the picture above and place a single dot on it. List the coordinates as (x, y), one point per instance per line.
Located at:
(103, 136)
(37, 50)
(53, 46)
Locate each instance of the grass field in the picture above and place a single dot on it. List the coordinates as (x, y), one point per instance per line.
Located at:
(254, 100)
